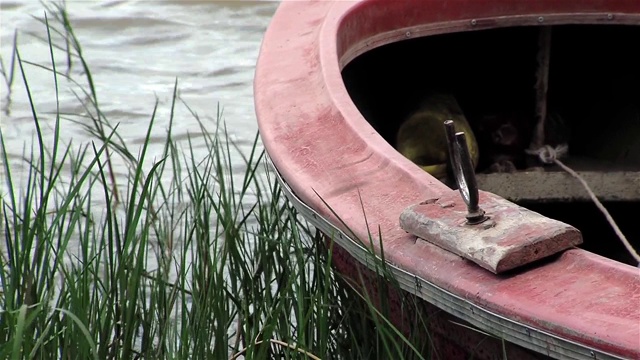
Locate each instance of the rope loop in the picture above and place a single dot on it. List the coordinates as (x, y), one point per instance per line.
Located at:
(548, 154)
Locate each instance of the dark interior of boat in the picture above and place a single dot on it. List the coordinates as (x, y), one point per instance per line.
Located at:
(593, 105)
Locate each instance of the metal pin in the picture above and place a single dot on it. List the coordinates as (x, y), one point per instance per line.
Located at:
(464, 173)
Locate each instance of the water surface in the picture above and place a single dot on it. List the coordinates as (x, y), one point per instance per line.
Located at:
(136, 51)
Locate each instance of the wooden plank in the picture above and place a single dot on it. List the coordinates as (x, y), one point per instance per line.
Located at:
(560, 186)
(513, 236)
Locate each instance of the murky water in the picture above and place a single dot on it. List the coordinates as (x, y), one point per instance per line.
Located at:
(136, 51)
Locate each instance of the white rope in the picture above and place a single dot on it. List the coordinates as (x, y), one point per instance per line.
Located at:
(604, 211)
(551, 155)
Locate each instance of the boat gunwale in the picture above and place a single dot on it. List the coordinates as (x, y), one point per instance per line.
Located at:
(479, 24)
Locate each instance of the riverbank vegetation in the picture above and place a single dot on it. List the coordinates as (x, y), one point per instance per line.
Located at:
(187, 254)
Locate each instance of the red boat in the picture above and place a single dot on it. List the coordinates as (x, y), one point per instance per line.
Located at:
(334, 81)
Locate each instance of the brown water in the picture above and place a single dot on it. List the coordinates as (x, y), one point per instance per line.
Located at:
(136, 50)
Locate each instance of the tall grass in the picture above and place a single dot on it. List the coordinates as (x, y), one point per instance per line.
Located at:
(177, 259)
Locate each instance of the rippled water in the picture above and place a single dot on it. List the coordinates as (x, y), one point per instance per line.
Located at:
(136, 50)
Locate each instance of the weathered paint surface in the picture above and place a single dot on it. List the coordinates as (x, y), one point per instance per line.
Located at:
(512, 236)
(327, 152)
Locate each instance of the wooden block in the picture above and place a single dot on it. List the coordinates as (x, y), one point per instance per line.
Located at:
(513, 236)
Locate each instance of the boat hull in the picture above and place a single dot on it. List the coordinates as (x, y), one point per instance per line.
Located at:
(352, 183)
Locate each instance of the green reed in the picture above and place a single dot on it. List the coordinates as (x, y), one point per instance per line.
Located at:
(178, 259)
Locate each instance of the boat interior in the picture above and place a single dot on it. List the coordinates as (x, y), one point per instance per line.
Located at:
(593, 105)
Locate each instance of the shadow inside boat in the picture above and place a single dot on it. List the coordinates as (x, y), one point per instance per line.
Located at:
(593, 104)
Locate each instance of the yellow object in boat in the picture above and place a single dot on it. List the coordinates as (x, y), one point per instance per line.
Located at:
(422, 139)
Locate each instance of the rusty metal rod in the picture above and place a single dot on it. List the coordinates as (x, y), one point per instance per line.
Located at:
(464, 173)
